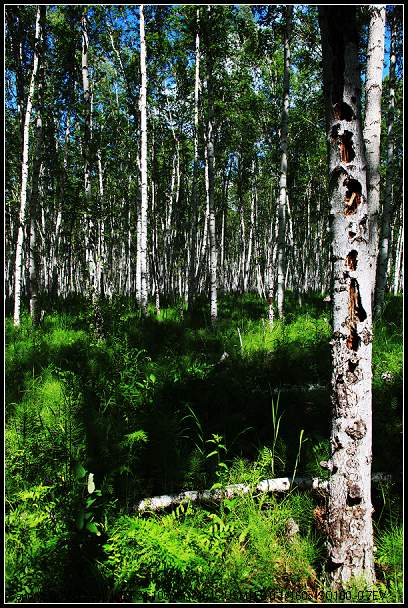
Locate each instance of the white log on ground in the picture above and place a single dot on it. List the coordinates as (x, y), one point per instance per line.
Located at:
(279, 484)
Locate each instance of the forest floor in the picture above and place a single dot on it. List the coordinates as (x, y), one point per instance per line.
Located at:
(168, 403)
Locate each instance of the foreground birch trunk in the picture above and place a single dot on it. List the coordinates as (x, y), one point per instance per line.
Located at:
(349, 519)
(18, 269)
(143, 168)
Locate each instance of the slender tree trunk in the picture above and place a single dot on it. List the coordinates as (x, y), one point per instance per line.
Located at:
(211, 225)
(398, 259)
(34, 254)
(194, 193)
(385, 238)
(349, 518)
(248, 257)
(143, 168)
(372, 124)
(86, 153)
(18, 270)
(35, 187)
(274, 227)
(101, 231)
(210, 156)
(284, 166)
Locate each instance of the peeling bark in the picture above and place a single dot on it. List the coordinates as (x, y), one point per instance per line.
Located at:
(350, 534)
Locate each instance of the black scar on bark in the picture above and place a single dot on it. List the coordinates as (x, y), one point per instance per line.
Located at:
(335, 132)
(351, 259)
(352, 185)
(342, 111)
(346, 141)
(359, 309)
(352, 198)
(353, 341)
(353, 501)
(332, 566)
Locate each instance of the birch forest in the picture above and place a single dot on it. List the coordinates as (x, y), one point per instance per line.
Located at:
(203, 280)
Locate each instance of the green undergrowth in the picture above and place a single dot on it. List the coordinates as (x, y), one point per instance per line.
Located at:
(169, 403)
(241, 551)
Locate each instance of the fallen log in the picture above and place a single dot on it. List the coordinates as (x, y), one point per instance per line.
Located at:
(280, 484)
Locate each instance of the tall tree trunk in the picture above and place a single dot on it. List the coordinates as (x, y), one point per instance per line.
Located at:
(35, 187)
(18, 270)
(398, 257)
(143, 168)
(248, 257)
(34, 204)
(385, 238)
(210, 154)
(90, 254)
(372, 124)
(349, 521)
(284, 166)
(194, 193)
(272, 249)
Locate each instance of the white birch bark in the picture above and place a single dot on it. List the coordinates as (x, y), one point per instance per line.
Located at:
(381, 280)
(89, 252)
(270, 486)
(398, 261)
(372, 124)
(284, 167)
(194, 193)
(18, 269)
(210, 155)
(350, 533)
(248, 257)
(143, 166)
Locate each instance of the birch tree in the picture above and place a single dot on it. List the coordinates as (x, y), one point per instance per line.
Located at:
(349, 517)
(210, 156)
(284, 165)
(385, 237)
(372, 123)
(18, 269)
(86, 151)
(143, 166)
(37, 171)
(194, 188)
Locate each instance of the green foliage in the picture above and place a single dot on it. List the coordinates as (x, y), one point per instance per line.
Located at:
(238, 553)
(37, 545)
(94, 426)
